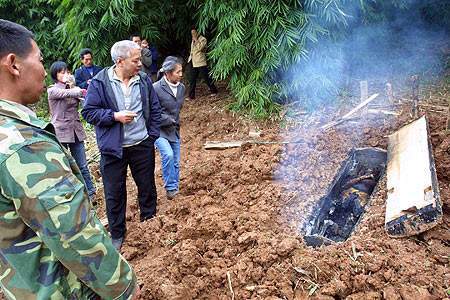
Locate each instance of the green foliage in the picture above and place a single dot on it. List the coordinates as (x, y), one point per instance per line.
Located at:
(99, 24)
(253, 44)
(41, 107)
(256, 41)
(437, 13)
(36, 15)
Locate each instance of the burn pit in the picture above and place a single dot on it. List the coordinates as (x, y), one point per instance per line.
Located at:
(336, 215)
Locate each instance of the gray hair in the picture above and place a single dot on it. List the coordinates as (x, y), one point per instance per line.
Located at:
(169, 64)
(122, 49)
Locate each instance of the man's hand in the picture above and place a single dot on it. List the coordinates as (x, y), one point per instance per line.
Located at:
(124, 116)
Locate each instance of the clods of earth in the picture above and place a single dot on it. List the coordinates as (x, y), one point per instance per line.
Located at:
(235, 229)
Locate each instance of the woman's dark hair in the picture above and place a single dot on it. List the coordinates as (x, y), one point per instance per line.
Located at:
(134, 34)
(168, 66)
(55, 68)
(85, 51)
(14, 38)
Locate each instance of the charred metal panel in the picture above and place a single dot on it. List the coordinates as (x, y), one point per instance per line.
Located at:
(335, 216)
(413, 204)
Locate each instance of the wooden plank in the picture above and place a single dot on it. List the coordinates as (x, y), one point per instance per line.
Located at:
(413, 202)
(216, 145)
(222, 145)
(350, 113)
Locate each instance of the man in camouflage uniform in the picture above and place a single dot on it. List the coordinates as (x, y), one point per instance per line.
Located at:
(52, 245)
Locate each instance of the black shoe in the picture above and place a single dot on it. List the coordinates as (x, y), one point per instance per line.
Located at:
(171, 194)
(117, 243)
(143, 219)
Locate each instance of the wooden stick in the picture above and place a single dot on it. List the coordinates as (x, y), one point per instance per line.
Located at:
(347, 115)
(364, 87)
(361, 105)
(436, 111)
(218, 145)
(415, 95)
(382, 111)
(356, 180)
(434, 106)
(381, 106)
(389, 92)
(230, 285)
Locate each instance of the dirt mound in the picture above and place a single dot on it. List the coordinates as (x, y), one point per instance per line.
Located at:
(236, 225)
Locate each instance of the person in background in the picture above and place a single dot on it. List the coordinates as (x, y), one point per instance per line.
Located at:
(170, 92)
(144, 44)
(124, 108)
(52, 245)
(63, 102)
(146, 55)
(85, 73)
(199, 64)
(154, 66)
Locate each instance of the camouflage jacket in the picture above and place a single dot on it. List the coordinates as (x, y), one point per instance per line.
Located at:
(52, 245)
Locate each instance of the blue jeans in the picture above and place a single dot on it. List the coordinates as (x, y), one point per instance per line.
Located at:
(79, 154)
(170, 162)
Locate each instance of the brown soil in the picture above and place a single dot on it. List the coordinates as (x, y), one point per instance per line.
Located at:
(237, 220)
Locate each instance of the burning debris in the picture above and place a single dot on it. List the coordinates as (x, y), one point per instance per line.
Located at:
(337, 214)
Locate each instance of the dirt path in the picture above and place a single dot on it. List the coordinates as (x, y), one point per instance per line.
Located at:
(240, 212)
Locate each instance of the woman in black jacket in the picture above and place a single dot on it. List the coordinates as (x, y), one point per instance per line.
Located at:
(170, 92)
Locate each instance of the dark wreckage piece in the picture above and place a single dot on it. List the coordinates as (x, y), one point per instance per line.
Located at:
(336, 215)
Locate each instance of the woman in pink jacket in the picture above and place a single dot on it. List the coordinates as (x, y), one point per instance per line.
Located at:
(63, 100)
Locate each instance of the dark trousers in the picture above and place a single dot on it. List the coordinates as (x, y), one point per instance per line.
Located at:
(141, 159)
(204, 73)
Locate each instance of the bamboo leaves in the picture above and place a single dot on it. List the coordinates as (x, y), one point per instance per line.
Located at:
(255, 40)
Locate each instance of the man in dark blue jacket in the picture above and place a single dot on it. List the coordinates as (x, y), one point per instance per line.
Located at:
(125, 110)
(87, 71)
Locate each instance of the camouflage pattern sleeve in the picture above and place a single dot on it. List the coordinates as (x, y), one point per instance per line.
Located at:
(51, 200)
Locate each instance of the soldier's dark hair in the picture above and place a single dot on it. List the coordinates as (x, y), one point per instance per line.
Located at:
(85, 51)
(57, 67)
(14, 38)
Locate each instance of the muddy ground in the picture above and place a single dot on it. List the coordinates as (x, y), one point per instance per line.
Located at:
(236, 226)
